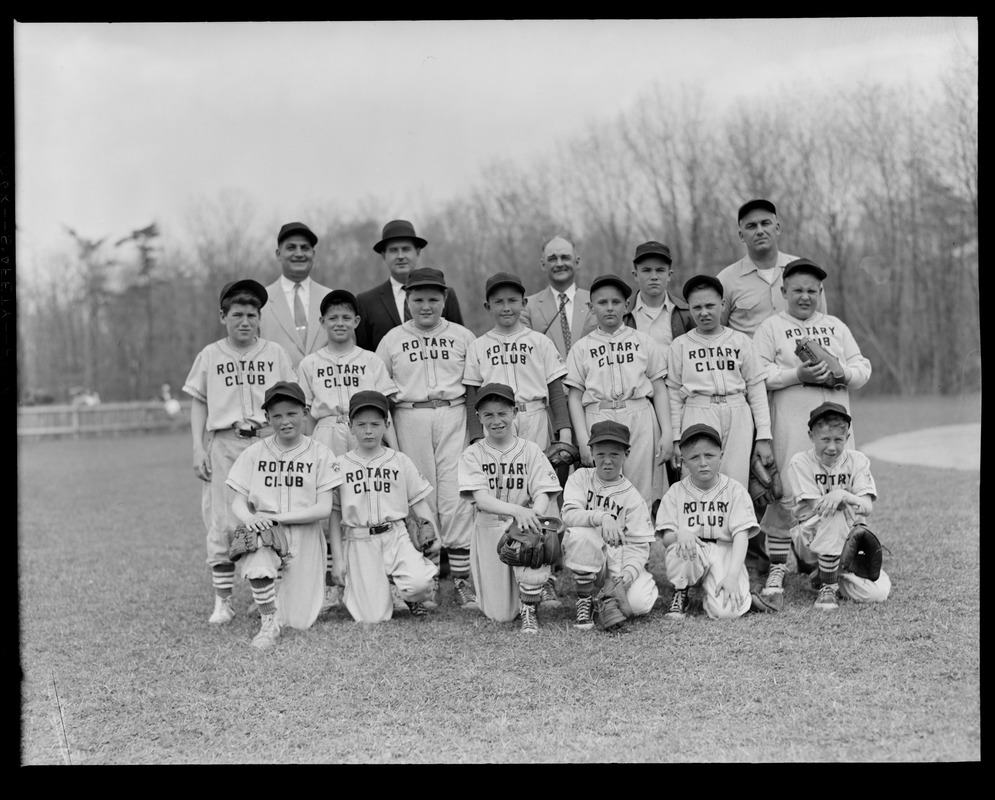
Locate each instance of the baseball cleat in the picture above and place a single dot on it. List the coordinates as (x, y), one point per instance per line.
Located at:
(585, 616)
(395, 597)
(827, 597)
(269, 632)
(223, 611)
(333, 599)
(417, 609)
(679, 605)
(464, 594)
(548, 595)
(530, 619)
(775, 580)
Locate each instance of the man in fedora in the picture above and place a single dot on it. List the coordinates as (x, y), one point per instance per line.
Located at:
(293, 316)
(383, 307)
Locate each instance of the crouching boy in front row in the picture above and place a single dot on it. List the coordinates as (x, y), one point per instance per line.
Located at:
(706, 521)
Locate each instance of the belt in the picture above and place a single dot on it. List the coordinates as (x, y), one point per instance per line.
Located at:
(246, 433)
(382, 528)
(432, 403)
(839, 387)
(735, 398)
(531, 405)
(612, 404)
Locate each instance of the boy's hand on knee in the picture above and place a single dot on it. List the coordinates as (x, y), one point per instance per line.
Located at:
(685, 545)
(612, 531)
(827, 505)
(728, 591)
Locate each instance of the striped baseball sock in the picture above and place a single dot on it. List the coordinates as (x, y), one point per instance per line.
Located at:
(328, 565)
(585, 583)
(223, 578)
(530, 595)
(829, 569)
(778, 548)
(264, 593)
(459, 562)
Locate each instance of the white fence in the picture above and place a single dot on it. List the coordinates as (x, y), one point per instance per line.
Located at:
(103, 419)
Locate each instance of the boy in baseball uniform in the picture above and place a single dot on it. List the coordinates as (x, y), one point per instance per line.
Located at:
(329, 377)
(796, 388)
(286, 479)
(509, 480)
(228, 383)
(833, 490)
(609, 531)
(714, 378)
(426, 356)
(617, 373)
(705, 522)
(376, 487)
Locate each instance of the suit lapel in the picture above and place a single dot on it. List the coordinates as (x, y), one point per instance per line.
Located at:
(387, 299)
(314, 329)
(281, 311)
(581, 299)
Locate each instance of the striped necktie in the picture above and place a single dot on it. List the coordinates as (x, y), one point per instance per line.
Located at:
(564, 323)
(300, 318)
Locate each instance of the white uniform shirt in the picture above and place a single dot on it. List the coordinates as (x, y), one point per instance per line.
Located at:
(329, 379)
(585, 496)
(426, 365)
(277, 481)
(372, 491)
(518, 474)
(716, 514)
(809, 479)
(526, 361)
(617, 366)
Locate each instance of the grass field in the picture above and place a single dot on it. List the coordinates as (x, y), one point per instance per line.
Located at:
(120, 666)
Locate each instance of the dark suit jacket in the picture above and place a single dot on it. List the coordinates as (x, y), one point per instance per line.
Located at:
(378, 314)
(680, 317)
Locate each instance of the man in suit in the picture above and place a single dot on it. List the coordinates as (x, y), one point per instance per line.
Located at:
(383, 307)
(292, 317)
(561, 310)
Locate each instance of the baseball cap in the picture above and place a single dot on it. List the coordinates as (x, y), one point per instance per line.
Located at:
(611, 280)
(825, 409)
(339, 297)
(285, 390)
(503, 279)
(251, 286)
(609, 431)
(494, 390)
(700, 429)
(425, 276)
(701, 281)
(398, 229)
(652, 249)
(368, 399)
(296, 229)
(804, 265)
(753, 205)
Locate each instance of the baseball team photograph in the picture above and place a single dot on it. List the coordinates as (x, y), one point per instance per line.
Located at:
(641, 428)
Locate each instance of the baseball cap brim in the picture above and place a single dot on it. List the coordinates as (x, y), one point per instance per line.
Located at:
(248, 285)
(611, 280)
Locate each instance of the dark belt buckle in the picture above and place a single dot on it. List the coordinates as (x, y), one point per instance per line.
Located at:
(375, 529)
(245, 433)
(521, 405)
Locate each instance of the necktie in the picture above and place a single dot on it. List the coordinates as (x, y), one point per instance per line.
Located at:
(564, 323)
(300, 318)
(406, 315)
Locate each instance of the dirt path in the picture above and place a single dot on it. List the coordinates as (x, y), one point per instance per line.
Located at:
(945, 447)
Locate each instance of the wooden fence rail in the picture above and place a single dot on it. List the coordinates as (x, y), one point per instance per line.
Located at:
(103, 419)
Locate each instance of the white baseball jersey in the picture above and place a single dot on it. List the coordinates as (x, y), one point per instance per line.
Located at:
(277, 481)
(809, 479)
(720, 365)
(426, 365)
(715, 514)
(372, 491)
(518, 474)
(585, 496)
(233, 383)
(526, 361)
(330, 379)
(617, 366)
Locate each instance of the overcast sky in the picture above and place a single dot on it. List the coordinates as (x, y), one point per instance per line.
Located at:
(118, 125)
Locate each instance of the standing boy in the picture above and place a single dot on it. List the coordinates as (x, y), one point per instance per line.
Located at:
(286, 480)
(609, 531)
(375, 487)
(705, 521)
(510, 481)
(228, 383)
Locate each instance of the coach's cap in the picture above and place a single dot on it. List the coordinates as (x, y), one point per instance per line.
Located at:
(503, 279)
(804, 265)
(398, 229)
(296, 229)
(609, 431)
(425, 276)
(248, 285)
(611, 280)
(703, 282)
(700, 429)
(494, 390)
(647, 249)
(339, 297)
(284, 390)
(753, 205)
(824, 410)
(368, 399)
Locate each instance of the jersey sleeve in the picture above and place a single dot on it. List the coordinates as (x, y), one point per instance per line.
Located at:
(327, 477)
(638, 526)
(857, 369)
(284, 365)
(656, 359)
(675, 384)
(576, 376)
(417, 486)
(471, 370)
(542, 476)
(383, 382)
(862, 483)
(196, 382)
(801, 478)
(240, 474)
(553, 363)
(304, 380)
(384, 353)
(470, 475)
(666, 512)
(742, 518)
(574, 510)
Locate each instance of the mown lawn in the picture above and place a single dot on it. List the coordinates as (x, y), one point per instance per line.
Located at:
(114, 599)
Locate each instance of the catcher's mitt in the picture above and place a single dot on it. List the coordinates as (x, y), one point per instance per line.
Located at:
(812, 352)
(248, 541)
(562, 453)
(862, 553)
(765, 482)
(611, 606)
(518, 548)
(422, 534)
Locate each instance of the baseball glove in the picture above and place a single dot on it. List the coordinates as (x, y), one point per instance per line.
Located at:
(812, 353)
(518, 548)
(765, 482)
(611, 606)
(862, 553)
(422, 534)
(562, 453)
(248, 541)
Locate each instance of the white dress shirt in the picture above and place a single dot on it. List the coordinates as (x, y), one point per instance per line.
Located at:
(288, 292)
